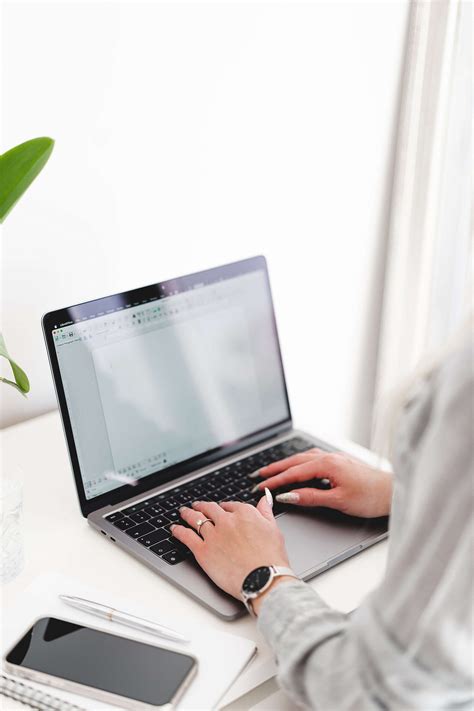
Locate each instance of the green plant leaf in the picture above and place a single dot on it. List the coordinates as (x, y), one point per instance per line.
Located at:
(18, 168)
(21, 382)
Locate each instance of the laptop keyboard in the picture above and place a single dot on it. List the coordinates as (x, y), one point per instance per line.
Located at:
(148, 521)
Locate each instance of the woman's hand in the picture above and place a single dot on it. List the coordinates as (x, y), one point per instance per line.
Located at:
(240, 538)
(356, 488)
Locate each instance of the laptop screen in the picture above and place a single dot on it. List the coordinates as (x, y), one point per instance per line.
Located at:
(191, 367)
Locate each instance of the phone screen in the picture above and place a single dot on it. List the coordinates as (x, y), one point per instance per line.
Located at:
(104, 661)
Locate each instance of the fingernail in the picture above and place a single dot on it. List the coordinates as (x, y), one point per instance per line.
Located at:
(255, 489)
(269, 497)
(172, 526)
(289, 498)
(182, 508)
(254, 474)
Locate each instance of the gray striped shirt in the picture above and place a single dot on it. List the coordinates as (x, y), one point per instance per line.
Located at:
(410, 644)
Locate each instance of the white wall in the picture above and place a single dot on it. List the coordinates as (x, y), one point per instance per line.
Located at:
(192, 135)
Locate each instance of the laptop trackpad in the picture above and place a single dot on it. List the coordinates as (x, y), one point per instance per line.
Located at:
(315, 536)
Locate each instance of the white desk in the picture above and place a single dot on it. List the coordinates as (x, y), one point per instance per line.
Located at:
(58, 539)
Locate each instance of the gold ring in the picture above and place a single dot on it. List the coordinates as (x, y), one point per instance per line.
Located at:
(200, 522)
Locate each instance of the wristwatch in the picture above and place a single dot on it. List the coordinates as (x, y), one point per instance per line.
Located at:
(259, 580)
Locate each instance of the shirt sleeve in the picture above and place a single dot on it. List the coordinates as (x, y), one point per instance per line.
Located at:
(409, 645)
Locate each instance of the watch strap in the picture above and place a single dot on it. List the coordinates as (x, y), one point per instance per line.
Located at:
(281, 570)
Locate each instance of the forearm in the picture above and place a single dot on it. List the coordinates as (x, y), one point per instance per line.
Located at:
(318, 657)
(258, 602)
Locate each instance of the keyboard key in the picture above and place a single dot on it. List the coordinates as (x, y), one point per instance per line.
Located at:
(173, 557)
(154, 510)
(133, 509)
(187, 503)
(230, 489)
(148, 502)
(159, 497)
(247, 483)
(158, 521)
(240, 474)
(195, 493)
(245, 496)
(140, 530)
(114, 517)
(253, 499)
(183, 499)
(124, 523)
(163, 547)
(246, 467)
(172, 516)
(170, 503)
(182, 549)
(140, 505)
(216, 495)
(209, 485)
(182, 522)
(149, 539)
(212, 484)
(140, 516)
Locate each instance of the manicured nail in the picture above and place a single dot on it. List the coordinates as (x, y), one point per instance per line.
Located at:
(289, 498)
(254, 474)
(255, 489)
(269, 497)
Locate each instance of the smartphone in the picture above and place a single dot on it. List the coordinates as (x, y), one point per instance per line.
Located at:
(103, 666)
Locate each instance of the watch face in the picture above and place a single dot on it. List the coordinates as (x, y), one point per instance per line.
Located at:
(257, 579)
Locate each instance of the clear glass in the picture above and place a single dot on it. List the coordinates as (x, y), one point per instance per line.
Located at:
(11, 543)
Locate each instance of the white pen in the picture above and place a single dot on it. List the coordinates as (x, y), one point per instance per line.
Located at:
(124, 618)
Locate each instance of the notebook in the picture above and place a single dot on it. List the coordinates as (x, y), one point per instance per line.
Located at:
(222, 656)
(16, 690)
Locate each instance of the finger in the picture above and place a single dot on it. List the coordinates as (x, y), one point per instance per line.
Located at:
(193, 517)
(283, 464)
(188, 537)
(310, 497)
(209, 508)
(232, 506)
(301, 472)
(265, 506)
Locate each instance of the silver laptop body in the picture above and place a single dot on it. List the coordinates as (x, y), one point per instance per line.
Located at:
(179, 387)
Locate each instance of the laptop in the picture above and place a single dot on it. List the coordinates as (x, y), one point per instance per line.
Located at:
(176, 392)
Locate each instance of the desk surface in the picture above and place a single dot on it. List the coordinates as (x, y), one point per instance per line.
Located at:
(58, 539)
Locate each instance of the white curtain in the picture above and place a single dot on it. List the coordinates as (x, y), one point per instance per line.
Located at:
(428, 267)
